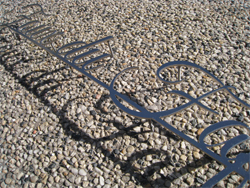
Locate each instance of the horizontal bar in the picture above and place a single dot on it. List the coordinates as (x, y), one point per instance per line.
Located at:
(23, 18)
(40, 31)
(27, 24)
(43, 34)
(84, 55)
(89, 45)
(68, 45)
(55, 33)
(93, 60)
(35, 29)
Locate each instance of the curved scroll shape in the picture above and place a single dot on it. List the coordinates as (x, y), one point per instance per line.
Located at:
(32, 5)
(188, 64)
(224, 124)
(232, 143)
(143, 112)
(239, 161)
(184, 106)
(183, 63)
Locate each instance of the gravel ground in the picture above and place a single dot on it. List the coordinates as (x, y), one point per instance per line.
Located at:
(60, 129)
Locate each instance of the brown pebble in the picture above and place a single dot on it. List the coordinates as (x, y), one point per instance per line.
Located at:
(200, 131)
(124, 151)
(105, 109)
(43, 175)
(196, 155)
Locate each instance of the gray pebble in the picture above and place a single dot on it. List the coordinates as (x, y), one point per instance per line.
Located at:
(74, 171)
(78, 180)
(8, 181)
(9, 138)
(101, 181)
(82, 172)
(33, 179)
(71, 178)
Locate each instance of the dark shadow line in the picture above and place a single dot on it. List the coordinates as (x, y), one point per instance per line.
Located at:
(78, 134)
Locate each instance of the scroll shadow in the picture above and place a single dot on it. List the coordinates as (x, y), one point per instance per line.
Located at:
(72, 130)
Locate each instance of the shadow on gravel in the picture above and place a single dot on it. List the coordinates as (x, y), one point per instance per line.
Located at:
(72, 130)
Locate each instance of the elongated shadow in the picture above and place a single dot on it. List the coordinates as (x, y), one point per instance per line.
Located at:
(72, 130)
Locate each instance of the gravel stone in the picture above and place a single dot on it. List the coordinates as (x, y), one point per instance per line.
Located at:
(82, 172)
(19, 175)
(101, 181)
(3, 185)
(33, 179)
(78, 180)
(196, 155)
(39, 185)
(71, 178)
(9, 138)
(130, 149)
(74, 171)
(8, 181)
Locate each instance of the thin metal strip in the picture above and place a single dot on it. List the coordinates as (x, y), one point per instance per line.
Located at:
(93, 60)
(23, 18)
(146, 114)
(88, 45)
(241, 159)
(27, 24)
(54, 34)
(40, 32)
(67, 46)
(44, 34)
(81, 56)
(34, 29)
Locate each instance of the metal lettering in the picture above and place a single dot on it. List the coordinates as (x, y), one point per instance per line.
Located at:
(38, 36)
